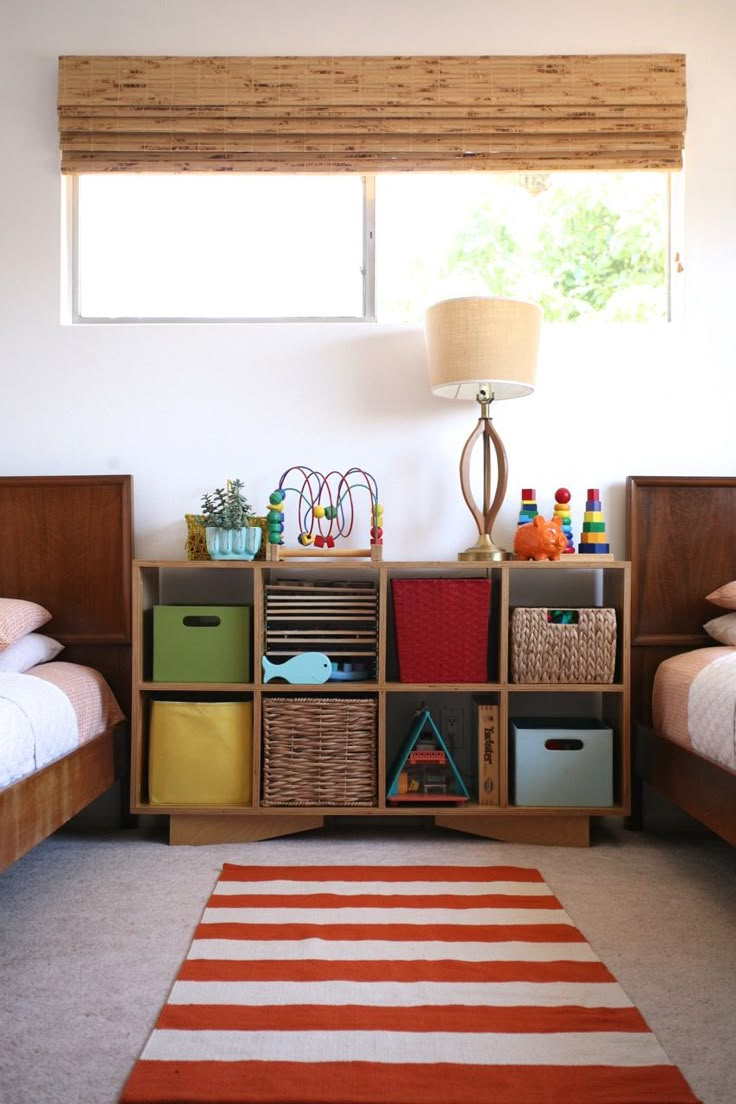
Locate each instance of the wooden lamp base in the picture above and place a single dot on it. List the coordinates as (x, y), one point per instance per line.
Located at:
(484, 548)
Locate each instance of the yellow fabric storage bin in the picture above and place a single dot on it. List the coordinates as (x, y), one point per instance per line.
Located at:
(200, 753)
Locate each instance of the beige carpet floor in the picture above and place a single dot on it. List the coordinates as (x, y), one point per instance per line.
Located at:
(93, 926)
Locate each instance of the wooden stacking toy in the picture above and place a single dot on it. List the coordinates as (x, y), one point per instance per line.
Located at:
(593, 536)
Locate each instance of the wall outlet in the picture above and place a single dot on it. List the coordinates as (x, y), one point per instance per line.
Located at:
(452, 728)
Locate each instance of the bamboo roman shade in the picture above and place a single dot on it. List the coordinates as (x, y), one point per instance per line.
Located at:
(371, 114)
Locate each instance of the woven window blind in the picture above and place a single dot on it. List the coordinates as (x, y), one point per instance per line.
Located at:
(371, 114)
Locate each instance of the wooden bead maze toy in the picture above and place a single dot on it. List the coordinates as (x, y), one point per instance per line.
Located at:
(325, 512)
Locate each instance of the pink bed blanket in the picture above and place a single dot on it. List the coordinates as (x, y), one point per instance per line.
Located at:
(49, 711)
(694, 702)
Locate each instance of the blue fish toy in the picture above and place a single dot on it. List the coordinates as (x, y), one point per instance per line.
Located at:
(307, 667)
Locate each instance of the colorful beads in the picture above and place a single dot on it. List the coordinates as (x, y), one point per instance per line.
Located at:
(562, 511)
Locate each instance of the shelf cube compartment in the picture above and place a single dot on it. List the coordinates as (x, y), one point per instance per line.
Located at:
(561, 762)
(319, 751)
(337, 618)
(201, 643)
(200, 753)
(563, 645)
(442, 629)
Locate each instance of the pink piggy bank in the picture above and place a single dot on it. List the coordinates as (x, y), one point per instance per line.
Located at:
(540, 540)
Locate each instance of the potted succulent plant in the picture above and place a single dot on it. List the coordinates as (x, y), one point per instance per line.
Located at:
(228, 533)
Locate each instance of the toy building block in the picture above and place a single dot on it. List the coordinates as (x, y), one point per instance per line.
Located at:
(593, 535)
(595, 548)
(528, 508)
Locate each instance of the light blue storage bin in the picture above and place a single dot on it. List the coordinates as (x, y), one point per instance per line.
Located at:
(561, 762)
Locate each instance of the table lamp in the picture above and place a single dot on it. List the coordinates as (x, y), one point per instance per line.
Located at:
(483, 348)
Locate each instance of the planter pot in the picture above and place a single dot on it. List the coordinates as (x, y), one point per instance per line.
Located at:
(233, 544)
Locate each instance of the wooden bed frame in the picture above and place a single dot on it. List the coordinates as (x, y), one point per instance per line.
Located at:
(681, 540)
(66, 544)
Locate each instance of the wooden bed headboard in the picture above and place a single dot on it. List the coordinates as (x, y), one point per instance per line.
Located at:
(681, 540)
(66, 543)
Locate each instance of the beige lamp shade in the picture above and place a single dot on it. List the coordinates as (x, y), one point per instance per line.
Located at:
(478, 340)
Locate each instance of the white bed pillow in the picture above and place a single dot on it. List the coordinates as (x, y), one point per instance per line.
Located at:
(18, 618)
(31, 649)
(722, 629)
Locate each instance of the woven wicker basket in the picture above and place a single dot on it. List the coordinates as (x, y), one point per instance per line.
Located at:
(583, 652)
(319, 751)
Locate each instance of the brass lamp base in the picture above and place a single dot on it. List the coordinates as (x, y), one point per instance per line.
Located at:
(485, 549)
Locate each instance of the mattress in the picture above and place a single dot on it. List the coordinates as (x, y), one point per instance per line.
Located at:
(694, 702)
(49, 711)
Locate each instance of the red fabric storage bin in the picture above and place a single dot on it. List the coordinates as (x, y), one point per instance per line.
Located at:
(442, 629)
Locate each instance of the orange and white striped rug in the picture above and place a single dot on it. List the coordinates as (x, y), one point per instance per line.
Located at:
(396, 985)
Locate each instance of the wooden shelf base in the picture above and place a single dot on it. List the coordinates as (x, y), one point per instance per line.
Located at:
(560, 831)
(191, 828)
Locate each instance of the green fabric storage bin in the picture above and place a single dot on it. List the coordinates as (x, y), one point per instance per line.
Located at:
(201, 643)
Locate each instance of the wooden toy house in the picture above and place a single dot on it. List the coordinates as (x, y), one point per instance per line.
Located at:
(423, 770)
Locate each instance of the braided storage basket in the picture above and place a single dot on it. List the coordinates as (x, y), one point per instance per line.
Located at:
(583, 652)
(319, 751)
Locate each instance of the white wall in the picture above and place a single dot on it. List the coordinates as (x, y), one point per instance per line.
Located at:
(184, 407)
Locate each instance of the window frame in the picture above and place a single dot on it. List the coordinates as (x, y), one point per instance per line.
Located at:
(70, 313)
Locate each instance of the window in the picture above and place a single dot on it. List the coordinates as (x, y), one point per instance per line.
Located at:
(448, 180)
(182, 246)
(244, 246)
(583, 245)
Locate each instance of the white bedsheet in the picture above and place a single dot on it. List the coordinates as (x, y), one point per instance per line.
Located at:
(37, 725)
(711, 711)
